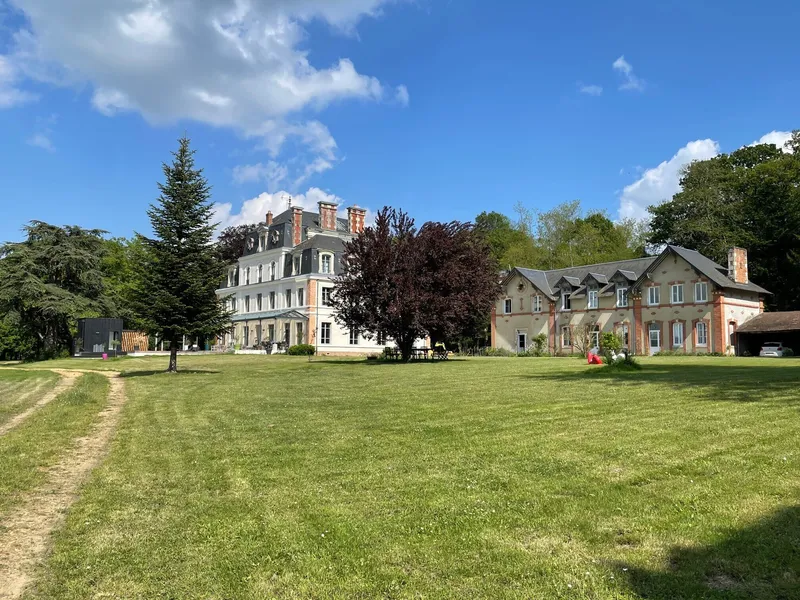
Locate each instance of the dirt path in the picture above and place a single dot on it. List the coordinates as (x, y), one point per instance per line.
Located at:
(25, 532)
(68, 379)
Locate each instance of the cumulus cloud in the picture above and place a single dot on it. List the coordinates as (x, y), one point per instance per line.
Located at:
(630, 80)
(255, 209)
(778, 138)
(239, 64)
(10, 94)
(660, 183)
(590, 90)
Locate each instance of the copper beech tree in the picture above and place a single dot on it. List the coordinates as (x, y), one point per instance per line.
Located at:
(406, 283)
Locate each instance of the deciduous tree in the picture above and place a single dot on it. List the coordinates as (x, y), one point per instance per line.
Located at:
(231, 241)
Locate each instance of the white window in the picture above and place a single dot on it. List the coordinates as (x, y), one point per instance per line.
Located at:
(566, 301)
(566, 337)
(701, 291)
(622, 296)
(677, 335)
(259, 302)
(677, 293)
(260, 273)
(596, 336)
(326, 263)
(702, 334)
(537, 304)
(301, 297)
(626, 336)
(326, 296)
(247, 276)
(654, 295)
(297, 265)
(593, 299)
(272, 272)
(247, 304)
(354, 337)
(272, 300)
(507, 306)
(325, 333)
(288, 298)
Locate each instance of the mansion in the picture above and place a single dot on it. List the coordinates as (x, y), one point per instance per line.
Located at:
(280, 290)
(679, 300)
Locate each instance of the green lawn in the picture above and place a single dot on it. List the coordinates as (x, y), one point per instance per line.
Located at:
(275, 477)
(43, 438)
(19, 390)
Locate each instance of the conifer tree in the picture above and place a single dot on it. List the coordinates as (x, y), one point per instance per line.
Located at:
(176, 292)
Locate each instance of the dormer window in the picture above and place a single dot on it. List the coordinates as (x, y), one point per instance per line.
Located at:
(566, 301)
(622, 296)
(326, 262)
(593, 298)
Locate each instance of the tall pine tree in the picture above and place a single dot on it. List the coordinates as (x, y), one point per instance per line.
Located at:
(176, 295)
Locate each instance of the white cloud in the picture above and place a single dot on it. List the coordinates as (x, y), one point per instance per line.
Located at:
(591, 90)
(779, 138)
(255, 209)
(630, 80)
(271, 172)
(402, 95)
(42, 140)
(10, 95)
(660, 183)
(240, 64)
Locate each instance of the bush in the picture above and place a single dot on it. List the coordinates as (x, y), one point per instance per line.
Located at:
(624, 364)
(788, 352)
(499, 352)
(301, 350)
(610, 343)
(539, 345)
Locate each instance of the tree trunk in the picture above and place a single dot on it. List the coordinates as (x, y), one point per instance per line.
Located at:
(173, 357)
(406, 346)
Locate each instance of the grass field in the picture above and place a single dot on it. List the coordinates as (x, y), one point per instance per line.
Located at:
(275, 477)
(19, 390)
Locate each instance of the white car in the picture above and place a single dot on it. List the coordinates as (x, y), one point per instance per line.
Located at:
(774, 349)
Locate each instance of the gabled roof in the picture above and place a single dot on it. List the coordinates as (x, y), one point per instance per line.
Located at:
(717, 274)
(572, 281)
(598, 277)
(536, 277)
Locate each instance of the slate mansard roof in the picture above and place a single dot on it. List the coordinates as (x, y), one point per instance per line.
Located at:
(634, 270)
(310, 220)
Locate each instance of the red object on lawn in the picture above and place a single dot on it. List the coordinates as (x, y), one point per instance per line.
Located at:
(594, 359)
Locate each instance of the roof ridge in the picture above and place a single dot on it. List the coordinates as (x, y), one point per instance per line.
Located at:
(610, 262)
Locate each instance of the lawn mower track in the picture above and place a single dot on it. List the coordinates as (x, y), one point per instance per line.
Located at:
(68, 379)
(25, 532)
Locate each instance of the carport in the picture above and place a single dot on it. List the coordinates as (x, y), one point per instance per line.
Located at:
(783, 327)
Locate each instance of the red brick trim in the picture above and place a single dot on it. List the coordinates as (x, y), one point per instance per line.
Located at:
(551, 327)
(718, 324)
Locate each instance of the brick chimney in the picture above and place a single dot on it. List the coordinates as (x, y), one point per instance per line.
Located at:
(297, 225)
(327, 215)
(355, 219)
(737, 265)
(269, 218)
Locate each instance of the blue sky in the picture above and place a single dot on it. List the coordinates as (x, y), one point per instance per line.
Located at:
(442, 108)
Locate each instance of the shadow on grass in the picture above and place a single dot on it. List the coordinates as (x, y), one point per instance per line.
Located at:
(740, 383)
(164, 372)
(758, 562)
(373, 363)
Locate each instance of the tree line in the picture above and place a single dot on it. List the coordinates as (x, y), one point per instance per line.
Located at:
(438, 280)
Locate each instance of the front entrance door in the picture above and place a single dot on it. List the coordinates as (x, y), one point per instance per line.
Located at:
(522, 341)
(655, 338)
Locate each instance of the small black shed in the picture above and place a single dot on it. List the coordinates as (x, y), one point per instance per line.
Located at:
(98, 336)
(783, 327)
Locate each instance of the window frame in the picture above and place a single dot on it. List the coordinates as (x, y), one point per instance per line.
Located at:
(259, 302)
(260, 273)
(594, 336)
(593, 299)
(701, 285)
(325, 333)
(272, 300)
(329, 292)
(675, 287)
(301, 297)
(624, 292)
(353, 336)
(288, 296)
(678, 326)
(247, 304)
(323, 259)
(697, 326)
(566, 336)
(272, 269)
(650, 294)
(508, 306)
(566, 301)
(537, 303)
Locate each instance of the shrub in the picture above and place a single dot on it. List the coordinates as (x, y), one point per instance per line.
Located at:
(539, 344)
(499, 352)
(301, 350)
(610, 343)
(623, 364)
(788, 352)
